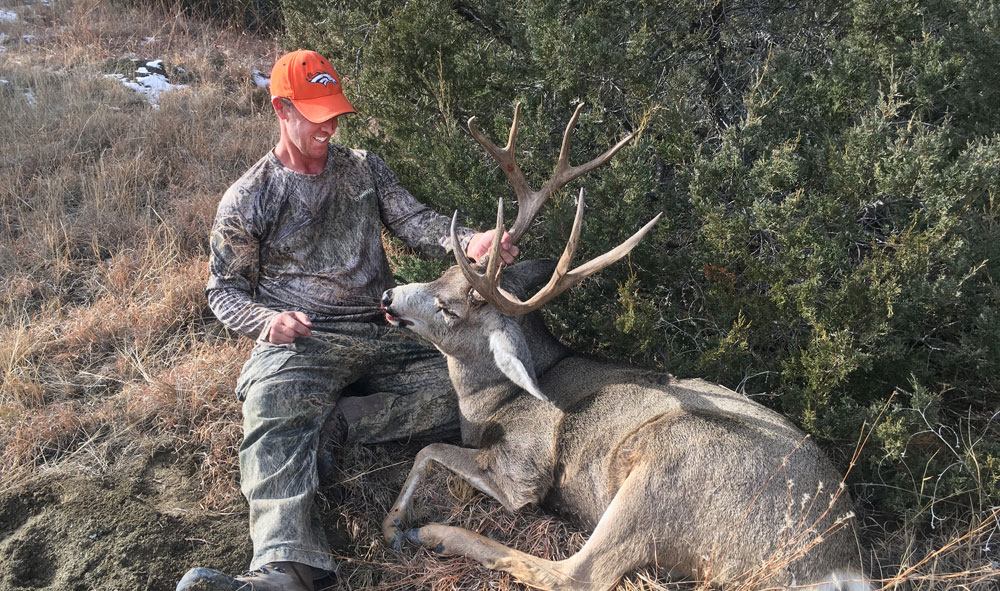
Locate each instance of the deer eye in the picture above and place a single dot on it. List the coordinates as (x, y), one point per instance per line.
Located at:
(444, 309)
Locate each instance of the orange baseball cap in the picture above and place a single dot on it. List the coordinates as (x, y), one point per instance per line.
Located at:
(310, 82)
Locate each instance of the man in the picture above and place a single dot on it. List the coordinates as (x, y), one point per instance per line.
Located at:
(297, 264)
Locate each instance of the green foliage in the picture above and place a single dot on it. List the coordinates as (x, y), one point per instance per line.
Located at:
(636, 318)
(828, 173)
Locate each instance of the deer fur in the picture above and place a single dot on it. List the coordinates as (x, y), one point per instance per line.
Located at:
(682, 474)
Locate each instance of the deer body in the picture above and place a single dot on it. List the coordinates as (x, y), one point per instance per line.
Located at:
(681, 474)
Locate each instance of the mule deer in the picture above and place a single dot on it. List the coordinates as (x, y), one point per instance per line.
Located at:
(682, 474)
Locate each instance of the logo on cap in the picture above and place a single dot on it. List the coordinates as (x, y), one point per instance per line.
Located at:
(322, 78)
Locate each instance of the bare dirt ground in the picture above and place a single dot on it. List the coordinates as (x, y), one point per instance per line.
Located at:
(130, 531)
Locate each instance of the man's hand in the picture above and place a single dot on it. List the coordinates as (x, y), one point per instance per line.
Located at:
(481, 243)
(287, 327)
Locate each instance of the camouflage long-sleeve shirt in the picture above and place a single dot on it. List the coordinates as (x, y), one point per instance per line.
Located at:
(283, 240)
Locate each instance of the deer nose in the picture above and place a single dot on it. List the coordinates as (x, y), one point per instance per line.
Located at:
(386, 298)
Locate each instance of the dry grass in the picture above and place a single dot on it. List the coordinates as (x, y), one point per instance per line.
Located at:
(108, 349)
(107, 204)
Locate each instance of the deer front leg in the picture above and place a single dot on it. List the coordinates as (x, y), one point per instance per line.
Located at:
(624, 539)
(459, 460)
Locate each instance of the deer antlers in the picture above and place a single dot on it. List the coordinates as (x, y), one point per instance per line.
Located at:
(529, 203)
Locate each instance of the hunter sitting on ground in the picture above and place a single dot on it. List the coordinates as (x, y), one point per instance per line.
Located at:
(297, 264)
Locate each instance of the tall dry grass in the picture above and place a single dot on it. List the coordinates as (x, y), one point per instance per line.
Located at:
(107, 203)
(108, 351)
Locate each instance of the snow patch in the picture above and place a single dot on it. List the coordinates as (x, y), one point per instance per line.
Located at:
(7, 16)
(260, 80)
(150, 80)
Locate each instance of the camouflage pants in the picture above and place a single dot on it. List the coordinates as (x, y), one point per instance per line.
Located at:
(384, 383)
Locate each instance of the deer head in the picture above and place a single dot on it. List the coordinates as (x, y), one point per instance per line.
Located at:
(474, 311)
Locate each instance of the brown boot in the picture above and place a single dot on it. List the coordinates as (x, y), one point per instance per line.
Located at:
(279, 576)
(273, 576)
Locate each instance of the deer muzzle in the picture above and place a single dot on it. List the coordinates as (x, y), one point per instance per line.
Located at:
(390, 316)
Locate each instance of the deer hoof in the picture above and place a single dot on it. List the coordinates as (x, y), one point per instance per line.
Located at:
(396, 543)
(392, 533)
(414, 536)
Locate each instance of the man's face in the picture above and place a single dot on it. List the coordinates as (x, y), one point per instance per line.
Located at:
(310, 139)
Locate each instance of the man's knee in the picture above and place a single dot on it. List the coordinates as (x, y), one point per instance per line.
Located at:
(284, 399)
(290, 405)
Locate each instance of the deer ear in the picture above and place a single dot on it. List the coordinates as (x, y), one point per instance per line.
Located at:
(512, 356)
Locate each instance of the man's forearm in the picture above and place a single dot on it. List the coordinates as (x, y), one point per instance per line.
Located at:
(238, 312)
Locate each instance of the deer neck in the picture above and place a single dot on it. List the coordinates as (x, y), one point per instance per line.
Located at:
(484, 389)
(546, 350)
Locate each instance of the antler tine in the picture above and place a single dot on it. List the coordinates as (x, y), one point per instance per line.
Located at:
(574, 239)
(494, 267)
(562, 280)
(505, 156)
(486, 284)
(563, 162)
(564, 173)
(593, 266)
